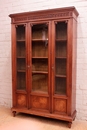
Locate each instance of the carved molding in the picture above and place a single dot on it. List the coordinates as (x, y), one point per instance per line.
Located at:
(48, 16)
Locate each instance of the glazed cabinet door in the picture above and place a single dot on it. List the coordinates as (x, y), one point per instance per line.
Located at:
(59, 66)
(40, 66)
(19, 66)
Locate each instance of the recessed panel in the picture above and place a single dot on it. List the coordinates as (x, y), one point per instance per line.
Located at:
(60, 105)
(21, 100)
(38, 102)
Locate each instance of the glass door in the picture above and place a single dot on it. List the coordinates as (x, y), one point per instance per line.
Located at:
(40, 58)
(21, 86)
(60, 58)
(60, 65)
(40, 66)
(21, 57)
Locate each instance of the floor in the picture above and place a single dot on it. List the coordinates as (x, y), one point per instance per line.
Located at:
(29, 122)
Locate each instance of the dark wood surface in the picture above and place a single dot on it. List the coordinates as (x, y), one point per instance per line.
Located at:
(44, 63)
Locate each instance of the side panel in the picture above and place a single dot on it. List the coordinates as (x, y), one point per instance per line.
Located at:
(13, 33)
(74, 61)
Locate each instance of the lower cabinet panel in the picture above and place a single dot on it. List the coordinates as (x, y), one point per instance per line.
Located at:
(60, 105)
(21, 100)
(40, 102)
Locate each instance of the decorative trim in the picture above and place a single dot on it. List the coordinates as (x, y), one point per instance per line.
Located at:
(48, 16)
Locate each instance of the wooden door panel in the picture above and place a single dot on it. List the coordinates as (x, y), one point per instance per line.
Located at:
(21, 100)
(60, 105)
(39, 102)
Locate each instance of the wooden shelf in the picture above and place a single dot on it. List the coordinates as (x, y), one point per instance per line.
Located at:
(19, 57)
(61, 40)
(20, 40)
(21, 70)
(61, 57)
(39, 72)
(39, 40)
(61, 76)
(39, 57)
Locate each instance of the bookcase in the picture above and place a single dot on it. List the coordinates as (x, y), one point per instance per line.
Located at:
(44, 63)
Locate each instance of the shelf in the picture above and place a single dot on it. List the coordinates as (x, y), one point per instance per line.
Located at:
(39, 40)
(39, 72)
(19, 57)
(20, 40)
(61, 57)
(61, 76)
(39, 57)
(61, 40)
(21, 70)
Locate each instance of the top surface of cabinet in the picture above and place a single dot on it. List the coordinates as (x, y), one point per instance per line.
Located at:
(67, 12)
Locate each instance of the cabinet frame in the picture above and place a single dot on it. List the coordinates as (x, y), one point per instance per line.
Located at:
(51, 16)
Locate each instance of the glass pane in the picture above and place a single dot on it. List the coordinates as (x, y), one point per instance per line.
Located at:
(61, 58)
(40, 65)
(40, 57)
(21, 81)
(61, 30)
(21, 64)
(60, 85)
(39, 48)
(20, 49)
(40, 31)
(20, 32)
(61, 49)
(60, 66)
(39, 82)
(21, 57)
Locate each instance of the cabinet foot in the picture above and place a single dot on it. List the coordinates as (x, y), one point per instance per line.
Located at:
(69, 124)
(14, 113)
